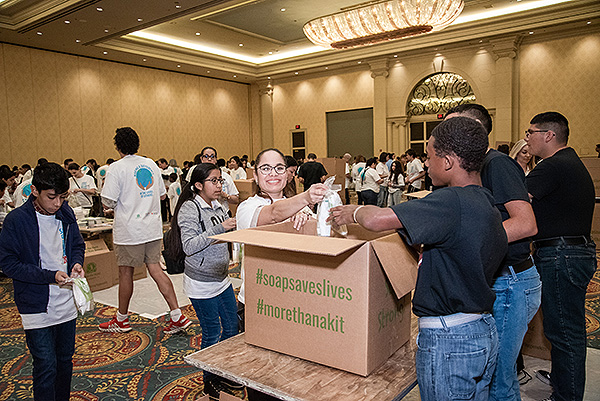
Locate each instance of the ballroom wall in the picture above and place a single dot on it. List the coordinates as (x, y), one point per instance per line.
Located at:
(58, 106)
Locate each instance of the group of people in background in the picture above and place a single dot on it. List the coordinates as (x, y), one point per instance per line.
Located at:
(478, 284)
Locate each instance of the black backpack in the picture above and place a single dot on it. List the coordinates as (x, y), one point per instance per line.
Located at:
(173, 249)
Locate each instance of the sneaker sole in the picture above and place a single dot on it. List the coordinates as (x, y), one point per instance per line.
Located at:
(114, 330)
(177, 329)
(543, 379)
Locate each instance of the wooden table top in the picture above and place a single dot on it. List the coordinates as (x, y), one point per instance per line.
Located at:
(294, 379)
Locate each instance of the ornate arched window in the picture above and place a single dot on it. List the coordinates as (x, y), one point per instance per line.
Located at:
(438, 93)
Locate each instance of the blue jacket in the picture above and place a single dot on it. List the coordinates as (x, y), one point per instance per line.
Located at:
(20, 255)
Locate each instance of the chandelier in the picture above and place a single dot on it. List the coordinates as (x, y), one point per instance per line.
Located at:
(381, 21)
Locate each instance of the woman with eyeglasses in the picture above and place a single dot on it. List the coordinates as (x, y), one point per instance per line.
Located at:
(269, 205)
(198, 215)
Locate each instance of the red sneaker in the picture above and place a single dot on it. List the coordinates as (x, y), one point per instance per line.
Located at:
(114, 326)
(174, 327)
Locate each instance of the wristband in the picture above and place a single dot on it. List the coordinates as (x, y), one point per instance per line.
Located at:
(354, 214)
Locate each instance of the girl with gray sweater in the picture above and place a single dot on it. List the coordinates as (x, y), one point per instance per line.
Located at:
(206, 281)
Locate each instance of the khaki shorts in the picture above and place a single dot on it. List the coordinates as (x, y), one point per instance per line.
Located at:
(137, 255)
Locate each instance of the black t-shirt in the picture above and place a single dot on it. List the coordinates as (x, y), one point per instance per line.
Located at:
(505, 179)
(312, 173)
(464, 244)
(563, 196)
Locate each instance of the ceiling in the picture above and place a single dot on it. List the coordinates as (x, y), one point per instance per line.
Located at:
(252, 40)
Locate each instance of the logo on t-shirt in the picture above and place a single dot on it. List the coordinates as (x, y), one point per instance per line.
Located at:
(178, 191)
(143, 177)
(26, 191)
(102, 173)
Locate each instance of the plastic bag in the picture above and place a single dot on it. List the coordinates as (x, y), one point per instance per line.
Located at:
(82, 294)
(331, 199)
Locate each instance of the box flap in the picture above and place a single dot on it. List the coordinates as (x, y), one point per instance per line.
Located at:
(291, 242)
(95, 246)
(399, 261)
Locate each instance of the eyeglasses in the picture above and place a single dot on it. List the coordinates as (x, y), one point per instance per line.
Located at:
(208, 156)
(216, 181)
(266, 169)
(529, 132)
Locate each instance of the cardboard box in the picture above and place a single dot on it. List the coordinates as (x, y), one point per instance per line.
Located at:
(247, 189)
(535, 342)
(228, 397)
(99, 265)
(593, 166)
(337, 167)
(327, 299)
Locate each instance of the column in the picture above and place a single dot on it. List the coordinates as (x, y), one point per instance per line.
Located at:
(265, 93)
(505, 123)
(379, 73)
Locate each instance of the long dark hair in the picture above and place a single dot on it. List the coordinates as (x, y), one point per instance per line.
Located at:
(200, 174)
(258, 157)
(290, 187)
(396, 172)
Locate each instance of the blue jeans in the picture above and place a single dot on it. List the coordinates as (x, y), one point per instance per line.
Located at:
(369, 197)
(52, 351)
(457, 363)
(566, 271)
(218, 320)
(382, 196)
(518, 297)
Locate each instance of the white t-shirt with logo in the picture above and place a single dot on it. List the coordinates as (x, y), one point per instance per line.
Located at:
(135, 184)
(61, 305)
(173, 194)
(383, 172)
(413, 168)
(356, 175)
(22, 192)
(85, 182)
(101, 176)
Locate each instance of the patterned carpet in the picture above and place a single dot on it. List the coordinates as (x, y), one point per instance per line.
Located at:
(143, 364)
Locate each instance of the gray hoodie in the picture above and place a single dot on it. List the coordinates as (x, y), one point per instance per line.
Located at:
(206, 260)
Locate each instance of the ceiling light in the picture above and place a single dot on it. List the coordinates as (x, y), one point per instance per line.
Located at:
(326, 68)
(235, 76)
(296, 73)
(208, 72)
(241, 45)
(104, 52)
(395, 56)
(140, 19)
(589, 22)
(178, 65)
(268, 77)
(283, 9)
(197, 33)
(270, 52)
(531, 32)
(106, 30)
(177, 5)
(143, 59)
(360, 62)
(77, 40)
(382, 21)
(99, 9)
(67, 21)
(39, 33)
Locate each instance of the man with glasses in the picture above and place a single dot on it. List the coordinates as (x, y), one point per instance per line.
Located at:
(229, 193)
(134, 189)
(562, 196)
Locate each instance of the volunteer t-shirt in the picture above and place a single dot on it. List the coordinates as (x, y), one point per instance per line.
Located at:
(61, 305)
(173, 194)
(413, 168)
(464, 244)
(356, 175)
(22, 192)
(383, 172)
(247, 217)
(369, 178)
(135, 184)
(238, 174)
(101, 176)
(165, 175)
(85, 182)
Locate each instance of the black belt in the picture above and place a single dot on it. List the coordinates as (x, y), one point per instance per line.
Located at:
(517, 267)
(578, 240)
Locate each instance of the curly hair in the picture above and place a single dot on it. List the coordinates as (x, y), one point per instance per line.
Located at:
(463, 137)
(127, 141)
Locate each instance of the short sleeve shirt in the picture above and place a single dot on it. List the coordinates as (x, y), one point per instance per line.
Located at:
(135, 184)
(505, 179)
(85, 182)
(413, 168)
(463, 246)
(311, 172)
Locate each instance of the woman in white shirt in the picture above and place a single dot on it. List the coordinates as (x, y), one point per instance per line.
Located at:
(370, 180)
(235, 169)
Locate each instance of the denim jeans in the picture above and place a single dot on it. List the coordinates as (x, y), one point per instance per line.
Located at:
(457, 363)
(382, 196)
(518, 297)
(566, 271)
(395, 198)
(52, 351)
(218, 320)
(369, 197)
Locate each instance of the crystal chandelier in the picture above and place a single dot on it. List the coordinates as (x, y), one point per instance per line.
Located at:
(382, 21)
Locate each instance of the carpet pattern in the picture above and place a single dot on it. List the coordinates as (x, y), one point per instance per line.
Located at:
(143, 364)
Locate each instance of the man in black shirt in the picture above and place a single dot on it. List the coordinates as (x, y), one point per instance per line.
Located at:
(517, 285)
(463, 246)
(311, 172)
(562, 196)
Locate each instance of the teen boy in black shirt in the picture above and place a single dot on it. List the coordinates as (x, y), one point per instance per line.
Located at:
(463, 246)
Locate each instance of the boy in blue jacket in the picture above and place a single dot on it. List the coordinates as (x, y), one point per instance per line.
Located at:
(40, 248)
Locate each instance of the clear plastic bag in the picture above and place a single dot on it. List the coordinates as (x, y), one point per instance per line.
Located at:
(82, 294)
(331, 199)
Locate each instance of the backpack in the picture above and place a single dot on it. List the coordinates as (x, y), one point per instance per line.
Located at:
(173, 249)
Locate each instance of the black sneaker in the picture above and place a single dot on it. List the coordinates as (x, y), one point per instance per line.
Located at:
(524, 377)
(213, 388)
(544, 377)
